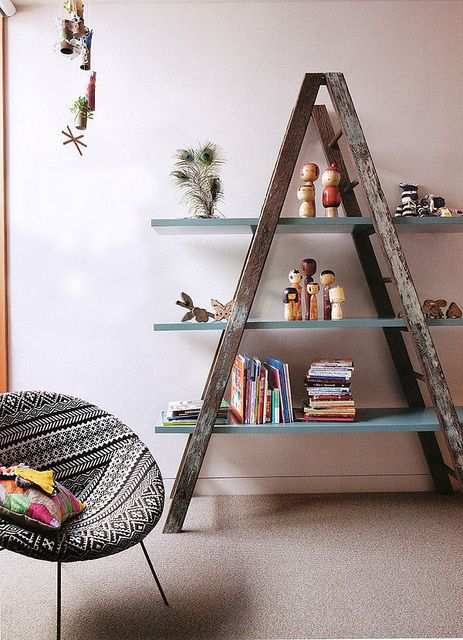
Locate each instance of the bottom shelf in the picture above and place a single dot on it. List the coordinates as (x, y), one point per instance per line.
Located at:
(367, 420)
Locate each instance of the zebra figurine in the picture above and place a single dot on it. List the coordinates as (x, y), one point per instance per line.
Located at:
(409, 200)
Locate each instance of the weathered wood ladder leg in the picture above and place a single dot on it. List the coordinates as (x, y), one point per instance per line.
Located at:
(381, 299)
(387, 235)
(244, 296)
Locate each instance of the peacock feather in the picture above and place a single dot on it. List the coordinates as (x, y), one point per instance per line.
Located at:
(197, 174)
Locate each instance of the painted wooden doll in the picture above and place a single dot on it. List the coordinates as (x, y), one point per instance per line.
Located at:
(306, 192)
(295, 278)
(308, 268)
(290, 299)
(313, 288)
(331, 196)
(327, 278)
(337, 297)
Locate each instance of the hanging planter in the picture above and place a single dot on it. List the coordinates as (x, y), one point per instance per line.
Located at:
(82, 112)
(85, 54)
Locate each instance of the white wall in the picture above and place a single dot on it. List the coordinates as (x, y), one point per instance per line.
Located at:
(89, 277)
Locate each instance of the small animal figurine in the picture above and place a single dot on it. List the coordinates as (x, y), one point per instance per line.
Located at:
(331, 197)
(327, 279)
(290, 299)
(337, 297)
(453, 311)
(429, 205)
(313, 288)
(295, 278)
(409, 200)
(433, 308)
(308, 268)
(200, 315)
(222, 311)
(306, 192)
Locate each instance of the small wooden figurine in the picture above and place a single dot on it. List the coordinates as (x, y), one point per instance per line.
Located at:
(327, 279)
(453, 311)
(433, 308)
(313, 288)
(331, 197)
(199, 314)
(222, 311)
(290, 298)
(295, 278)
(306, 192)
(337, 297)
(308, 268)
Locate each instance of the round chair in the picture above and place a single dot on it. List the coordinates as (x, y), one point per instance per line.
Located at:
(99, 459)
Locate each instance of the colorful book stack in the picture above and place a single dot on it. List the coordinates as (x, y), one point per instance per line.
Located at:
(328, 388)
(186, 412)
(260, 391)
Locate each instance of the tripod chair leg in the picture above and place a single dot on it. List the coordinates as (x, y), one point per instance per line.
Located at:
(150, 564)
(58, 601)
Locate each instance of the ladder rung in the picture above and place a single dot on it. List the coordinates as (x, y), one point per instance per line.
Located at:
(334, 141)
(418, 376)
(351, 186)
(450, 471)
(385, 280)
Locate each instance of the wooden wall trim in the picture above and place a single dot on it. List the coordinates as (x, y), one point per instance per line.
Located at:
(3, 218)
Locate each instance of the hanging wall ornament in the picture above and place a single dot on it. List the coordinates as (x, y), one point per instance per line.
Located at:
(86, 51)
(77, 140)
(91, 91)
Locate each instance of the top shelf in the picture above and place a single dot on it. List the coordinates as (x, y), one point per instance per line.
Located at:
(206, 226)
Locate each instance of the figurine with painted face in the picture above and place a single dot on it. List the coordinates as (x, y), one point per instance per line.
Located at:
(327, 279)
(290, 299)
(308, 268)
(295, 278)
(331, 196)
(337, 297)
(306, 192)
(313, 288)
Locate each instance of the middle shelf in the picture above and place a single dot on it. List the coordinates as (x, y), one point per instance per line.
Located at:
(347, 323)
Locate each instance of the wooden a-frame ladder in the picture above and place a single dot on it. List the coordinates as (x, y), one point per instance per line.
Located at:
(251, 273)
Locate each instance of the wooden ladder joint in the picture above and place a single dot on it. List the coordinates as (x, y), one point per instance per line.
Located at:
(334, 140)
(418, 376)
(351, 186)
(386, 280)
(449, 471)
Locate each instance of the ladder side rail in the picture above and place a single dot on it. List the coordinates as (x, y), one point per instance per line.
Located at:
(387, 234)
(245, 292)
(383, 305)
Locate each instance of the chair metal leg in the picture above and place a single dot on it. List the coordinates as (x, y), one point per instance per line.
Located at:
(58, 601)
(154, 573)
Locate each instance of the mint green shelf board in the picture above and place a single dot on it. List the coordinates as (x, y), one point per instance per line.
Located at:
(368, 420)
(348, 323)
(189, 226)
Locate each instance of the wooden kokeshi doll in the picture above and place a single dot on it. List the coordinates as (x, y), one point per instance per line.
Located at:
(331, 197)
(306, 192)
(327, 278)
(308, 268)
(337, 297)
(313, 288)
(295, 278)
(290, 298)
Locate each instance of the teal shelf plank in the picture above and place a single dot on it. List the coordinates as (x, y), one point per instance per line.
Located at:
(189, 226)
(430, 225)
(367, 421)
(204, 226)
(348, 323)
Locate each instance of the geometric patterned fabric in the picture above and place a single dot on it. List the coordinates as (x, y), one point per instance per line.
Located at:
(93, 454)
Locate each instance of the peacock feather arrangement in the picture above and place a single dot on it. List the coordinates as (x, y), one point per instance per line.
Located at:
(197, 174)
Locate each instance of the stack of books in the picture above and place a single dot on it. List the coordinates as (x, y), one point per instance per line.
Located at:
(260, 391)
(328, 388)
(186, 412)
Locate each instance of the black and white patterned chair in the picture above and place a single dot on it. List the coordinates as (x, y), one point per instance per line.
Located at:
(99, 459)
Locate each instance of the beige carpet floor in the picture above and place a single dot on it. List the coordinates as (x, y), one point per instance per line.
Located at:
(262, 567)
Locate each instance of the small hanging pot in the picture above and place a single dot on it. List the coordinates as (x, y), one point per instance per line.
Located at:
(81, 121)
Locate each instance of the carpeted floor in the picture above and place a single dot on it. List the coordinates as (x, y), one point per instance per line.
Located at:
(262, 567)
